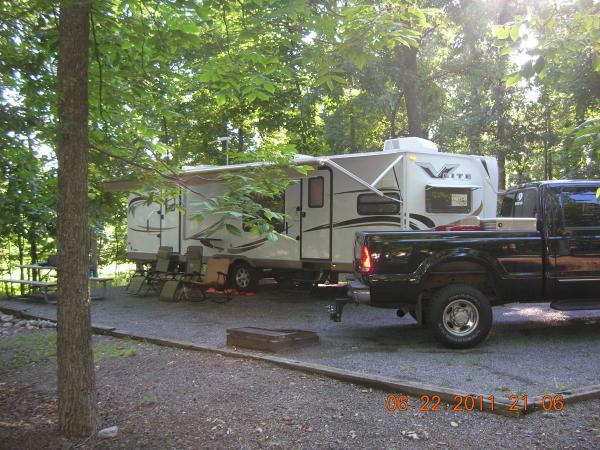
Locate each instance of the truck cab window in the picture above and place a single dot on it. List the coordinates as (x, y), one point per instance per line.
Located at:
(581, 207)
(508, 204)
(521, 203)
(316, 192)
(448, 200)
(525, 203)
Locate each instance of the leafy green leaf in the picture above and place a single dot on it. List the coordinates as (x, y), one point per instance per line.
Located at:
(233, 229)
(513, 79)
(515, 32)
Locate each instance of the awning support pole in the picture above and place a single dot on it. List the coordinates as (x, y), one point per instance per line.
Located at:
(387, 169)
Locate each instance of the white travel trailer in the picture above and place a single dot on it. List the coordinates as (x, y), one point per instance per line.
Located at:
(409, 185)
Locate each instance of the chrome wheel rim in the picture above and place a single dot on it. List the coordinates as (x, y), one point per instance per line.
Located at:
(461, 317)
(242, 277)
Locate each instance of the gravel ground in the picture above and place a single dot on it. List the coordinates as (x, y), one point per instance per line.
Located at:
(165, 398)
(531, 349)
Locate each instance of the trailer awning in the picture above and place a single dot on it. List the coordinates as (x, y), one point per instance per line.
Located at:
(370, 186)
(472, 187)
(385, 171)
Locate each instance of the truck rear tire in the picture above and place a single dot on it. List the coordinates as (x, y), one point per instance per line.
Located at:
(459, 316)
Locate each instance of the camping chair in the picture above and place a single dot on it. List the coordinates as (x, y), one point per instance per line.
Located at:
(214, 281)
(170, 290)
(158, 273)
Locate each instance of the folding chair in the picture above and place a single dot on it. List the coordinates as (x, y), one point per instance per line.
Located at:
(213, 281)
(158, 273)
(170, 290)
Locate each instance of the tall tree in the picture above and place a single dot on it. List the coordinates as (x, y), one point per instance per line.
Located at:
(76, 384)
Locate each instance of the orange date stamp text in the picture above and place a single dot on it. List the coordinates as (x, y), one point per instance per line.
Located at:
(469, 403)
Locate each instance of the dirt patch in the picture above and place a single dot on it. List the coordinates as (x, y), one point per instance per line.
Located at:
(27, 418)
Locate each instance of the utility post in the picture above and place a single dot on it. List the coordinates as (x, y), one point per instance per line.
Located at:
(225, 139)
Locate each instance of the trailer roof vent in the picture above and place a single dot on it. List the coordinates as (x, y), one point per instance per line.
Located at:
(410, 144)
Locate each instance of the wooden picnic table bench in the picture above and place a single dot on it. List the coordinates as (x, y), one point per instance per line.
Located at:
(43, 285)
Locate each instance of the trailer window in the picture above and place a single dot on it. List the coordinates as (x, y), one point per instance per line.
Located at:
(581, 207)
(448, 200)
(316, 192)
(372, 204)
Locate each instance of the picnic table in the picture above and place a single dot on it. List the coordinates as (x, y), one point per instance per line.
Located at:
(39, 268)
(44, 286)
(102, 281)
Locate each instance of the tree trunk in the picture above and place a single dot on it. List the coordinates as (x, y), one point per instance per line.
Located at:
(407, 62)
(76, 385)
(475, 131)
(240, 139)
(393, 118)
(353, 146)
(94, 253)
(20, 246)
(547, 131)
(33, 249)
(500, 107)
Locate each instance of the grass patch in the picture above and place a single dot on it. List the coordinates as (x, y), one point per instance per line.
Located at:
(121, 349)
(34, 347)
(149, 398)
(30, 348)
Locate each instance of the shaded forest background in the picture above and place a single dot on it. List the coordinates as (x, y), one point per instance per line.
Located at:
(519, 80)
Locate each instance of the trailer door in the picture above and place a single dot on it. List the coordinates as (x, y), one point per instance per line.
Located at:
(169, 224)
(315, 215)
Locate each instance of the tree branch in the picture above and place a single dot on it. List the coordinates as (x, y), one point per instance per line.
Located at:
(172, 178)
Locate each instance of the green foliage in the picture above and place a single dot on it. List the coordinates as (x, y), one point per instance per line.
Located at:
(563, 65)
(249, 199)
(517, 80)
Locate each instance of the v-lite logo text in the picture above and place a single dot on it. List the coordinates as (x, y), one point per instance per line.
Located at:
(448, 171)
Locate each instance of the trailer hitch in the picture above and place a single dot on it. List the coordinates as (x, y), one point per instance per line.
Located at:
(357, 293)
(335, 311)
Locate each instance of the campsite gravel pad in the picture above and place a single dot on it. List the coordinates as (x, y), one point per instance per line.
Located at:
(531, 349)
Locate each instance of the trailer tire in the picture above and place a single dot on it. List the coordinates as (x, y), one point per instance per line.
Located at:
(459, 316)
(243, 277)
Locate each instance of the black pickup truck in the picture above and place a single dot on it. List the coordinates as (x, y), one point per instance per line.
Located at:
(449, 280)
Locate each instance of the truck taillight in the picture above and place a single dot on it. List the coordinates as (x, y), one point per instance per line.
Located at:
(365, 259)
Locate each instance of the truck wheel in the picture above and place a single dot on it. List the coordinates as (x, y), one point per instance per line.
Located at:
(459, 316)
(243, 277)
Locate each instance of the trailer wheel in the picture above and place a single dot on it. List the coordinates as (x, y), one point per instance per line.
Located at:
(243, 277)
(459, 316)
